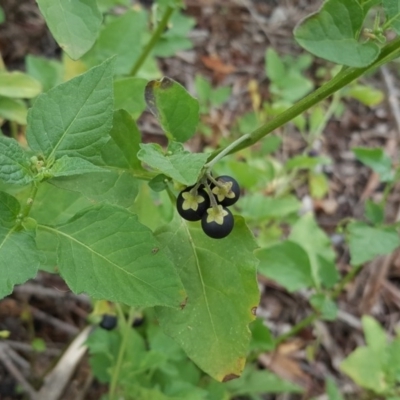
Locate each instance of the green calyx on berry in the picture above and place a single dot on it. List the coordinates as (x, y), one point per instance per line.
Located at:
(192, 202)
(226, 189)
(217, 222)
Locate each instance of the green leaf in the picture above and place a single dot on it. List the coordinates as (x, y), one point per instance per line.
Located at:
(306, 162)
(177, 163)
(2, 15)
(286, 263)
(75, 117)
(118, 187)
(129, 95)
(374, 212)
(117, 184)
(74, 24)
(325, 306)
(258, 206)
(366, 95)
(13, 110)
(375, 336)
(9, 208)
(113, 41)
(119, 256)
(14, 163)
(255, 382)
(332, 33)
(176, 110)
(332, 390)
(366, 242)
(363, 367)
(175, 38)
(316, 243)
(67, 166)
(274, 67)
(319, 185)
(220, 280)
(19, 258)
(48, 72)
(392, 11)
(261, 337)
(127, 137)
(377, 160)
(53, 206)
(19, 85)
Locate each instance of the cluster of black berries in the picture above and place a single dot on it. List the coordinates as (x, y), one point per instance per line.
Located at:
(208, 202)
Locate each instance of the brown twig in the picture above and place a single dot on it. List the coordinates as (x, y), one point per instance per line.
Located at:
(15, 372)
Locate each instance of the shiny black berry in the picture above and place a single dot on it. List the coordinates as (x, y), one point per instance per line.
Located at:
(217, 222)
(191, 206)
(108, 322)
(227, 194)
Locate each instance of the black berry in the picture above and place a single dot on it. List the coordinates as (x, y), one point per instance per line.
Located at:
(227, 194)
(108, 322)
(217, 222)
(138, 321)
(192, 205)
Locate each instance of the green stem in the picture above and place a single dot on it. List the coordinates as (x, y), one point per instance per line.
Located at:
(343, 78)
(297, 328)
(126, 326)
(346, 279)
(28, 204)
(153, 40)
(225, 151)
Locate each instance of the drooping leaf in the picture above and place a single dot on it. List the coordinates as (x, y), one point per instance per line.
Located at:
(14, 163)
(129, 95)
(48, 72)
(126, 136)
(121, 257)
(13, 110)
(113, 41)
(75, 117)
(176, 110)
(67, 166)
(392, 11)
(286, 263)
(332, 34)
(220, 280)
(19, 85)
(74, 24)
(19, 258)
(9, 208)
(177, 163)
(316, 243)
(377, 160)
(366, 242)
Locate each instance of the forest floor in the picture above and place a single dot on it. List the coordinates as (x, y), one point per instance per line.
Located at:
(230, 38)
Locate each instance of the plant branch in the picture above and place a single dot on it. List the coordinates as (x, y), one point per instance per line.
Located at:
(126, 326)
(153, 40)
(343, 78)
